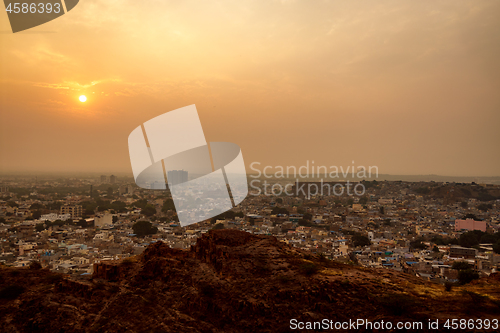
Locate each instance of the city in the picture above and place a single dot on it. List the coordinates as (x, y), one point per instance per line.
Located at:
(421, 228)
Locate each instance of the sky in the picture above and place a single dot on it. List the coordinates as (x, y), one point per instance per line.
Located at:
(411, 87)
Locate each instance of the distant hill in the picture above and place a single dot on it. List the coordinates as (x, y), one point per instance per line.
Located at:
(407, 178)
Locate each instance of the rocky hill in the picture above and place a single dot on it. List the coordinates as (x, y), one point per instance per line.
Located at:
(230, 281)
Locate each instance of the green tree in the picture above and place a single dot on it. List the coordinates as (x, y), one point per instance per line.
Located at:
(496, 247)
(36, 206)
(278, 210)
(467, 275)
(140, 203)
(468, 239)
(168, 205)
(218, 226)
(484, 207)
(360, 240)
(307, 216)
(460, 265)
(417, 244)
(143, 228)
(487, 239)
(148, 210)
(82, 223)
(305, 223)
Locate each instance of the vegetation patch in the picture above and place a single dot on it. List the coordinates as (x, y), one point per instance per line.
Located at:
(11, 292)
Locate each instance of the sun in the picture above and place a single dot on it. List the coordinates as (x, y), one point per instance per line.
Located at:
(82, 98)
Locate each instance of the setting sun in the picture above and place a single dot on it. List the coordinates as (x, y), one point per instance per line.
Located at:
(83, 98)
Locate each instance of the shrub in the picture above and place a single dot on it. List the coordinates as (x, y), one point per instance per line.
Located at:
(53, 278)
(35, 265)
(11, 292)
(467, 275)
(127, 262)
(398, 304)
(309, 268)
(448, 286)
(460, 265)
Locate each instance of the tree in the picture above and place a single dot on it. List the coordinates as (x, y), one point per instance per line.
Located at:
(485, 207)
(363, 200)
(143, 228)
(36, 206)
(218, 226)
(487, 239)
(360, 240)
(307, 216)
(140, 203)
(460, 265)
(468, 239)
(382, 210)
(148, 210)
(110, 192)
(305, 223)
(168, 205)
(435, 249)
(82, 223)
(278, 210)
(417, 244)
(496, 247)
(467, 275)
(115, 218)
(463, 204)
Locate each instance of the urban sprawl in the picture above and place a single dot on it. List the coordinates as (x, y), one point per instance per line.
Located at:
(434, 230)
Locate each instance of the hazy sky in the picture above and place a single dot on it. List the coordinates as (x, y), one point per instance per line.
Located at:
(412, 87)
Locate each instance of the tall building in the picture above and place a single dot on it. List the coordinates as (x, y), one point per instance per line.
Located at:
(74, 210)
(177, 177)
(104, 179)
(112, 179)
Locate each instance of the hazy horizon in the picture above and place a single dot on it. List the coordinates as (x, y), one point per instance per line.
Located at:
(409, 87)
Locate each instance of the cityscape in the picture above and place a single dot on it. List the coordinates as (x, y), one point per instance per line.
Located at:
(422, 228)
(249, 166)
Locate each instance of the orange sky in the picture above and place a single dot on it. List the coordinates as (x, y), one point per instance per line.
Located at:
(409, 86)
